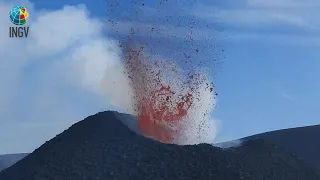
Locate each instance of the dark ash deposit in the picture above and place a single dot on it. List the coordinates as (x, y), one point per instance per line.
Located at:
(102, 148)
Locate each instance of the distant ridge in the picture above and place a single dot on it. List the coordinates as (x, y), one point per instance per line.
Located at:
(7, 160)
(302, 141)
(100, 147)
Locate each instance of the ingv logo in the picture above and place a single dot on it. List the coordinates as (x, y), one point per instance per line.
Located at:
(18, 16)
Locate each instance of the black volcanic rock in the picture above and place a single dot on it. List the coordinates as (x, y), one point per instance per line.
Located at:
(302, 141)
(7, 160)
(102, 148)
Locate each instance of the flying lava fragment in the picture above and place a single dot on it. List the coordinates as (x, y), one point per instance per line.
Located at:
(162, 98)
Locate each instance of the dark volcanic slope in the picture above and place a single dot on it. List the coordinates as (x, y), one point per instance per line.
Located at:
(8, 160)
(302, 141)
(102, 148)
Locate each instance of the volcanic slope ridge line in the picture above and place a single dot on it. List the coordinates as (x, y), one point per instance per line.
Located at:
(101, 147)
(302, 141)
(7, 160)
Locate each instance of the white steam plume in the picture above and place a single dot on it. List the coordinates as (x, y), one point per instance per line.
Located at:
(61, 74)
(99, 70)
(198, 127)
(230, 144)
(150, 74)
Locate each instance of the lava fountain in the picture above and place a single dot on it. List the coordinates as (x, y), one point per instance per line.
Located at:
(167, 100)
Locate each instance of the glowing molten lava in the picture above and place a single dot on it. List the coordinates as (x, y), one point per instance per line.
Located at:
(159, 107)
(159, 116)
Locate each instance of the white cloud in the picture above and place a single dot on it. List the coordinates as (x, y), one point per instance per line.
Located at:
(284, 3)
(53, 77)
(91, 63)
(163, 31)
(262, 13)
(172, 32)
(275, 38)
(56, 31)
(285, 22)
(287, 95)
(260, 17)
(64, 70)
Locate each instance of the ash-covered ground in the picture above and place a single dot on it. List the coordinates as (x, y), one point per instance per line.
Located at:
(302, 141)
(101, 147)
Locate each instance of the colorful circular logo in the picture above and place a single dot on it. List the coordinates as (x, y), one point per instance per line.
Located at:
(19, 15)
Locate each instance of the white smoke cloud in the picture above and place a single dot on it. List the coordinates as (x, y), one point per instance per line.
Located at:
(56, 76)
(99, 70)
(197, 126)
(65, 70)
(229, 144)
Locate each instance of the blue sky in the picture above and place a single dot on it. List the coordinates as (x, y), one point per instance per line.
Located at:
(269, 79)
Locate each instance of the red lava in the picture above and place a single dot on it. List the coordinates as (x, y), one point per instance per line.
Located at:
(159, 107)
(158, 116)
